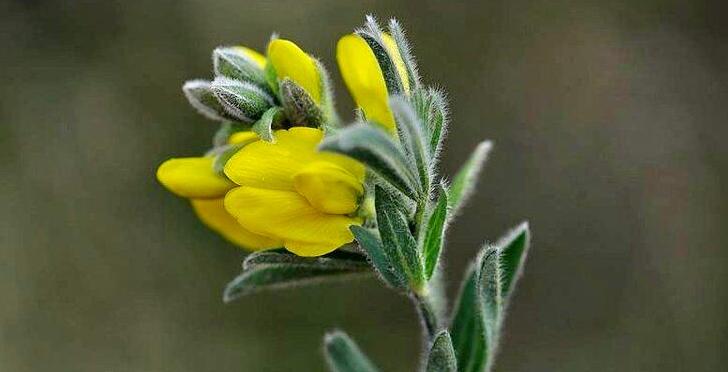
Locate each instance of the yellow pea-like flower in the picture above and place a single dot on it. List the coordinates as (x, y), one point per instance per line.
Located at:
(289, 61)
(196, 180)
(290, 192)
(364, 78)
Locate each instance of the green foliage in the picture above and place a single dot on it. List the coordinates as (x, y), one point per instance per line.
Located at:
(480, 310)
(442, 355)
(343, 355)
(412, 139)
(202, 99)
(378, 257)
(276, 269)
(433, 237)
(465, 180)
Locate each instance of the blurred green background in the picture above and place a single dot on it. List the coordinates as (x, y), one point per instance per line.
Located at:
(609, 119)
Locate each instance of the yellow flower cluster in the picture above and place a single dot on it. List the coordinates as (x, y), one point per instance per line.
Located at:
(284, 193)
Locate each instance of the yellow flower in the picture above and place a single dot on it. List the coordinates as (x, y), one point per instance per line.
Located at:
(289, 61)
(195, 179)
(364, 78)
(290, 192)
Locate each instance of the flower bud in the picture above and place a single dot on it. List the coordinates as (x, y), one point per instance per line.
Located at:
(200, 96)
(242, 100)
(239, 63)
(300, 108)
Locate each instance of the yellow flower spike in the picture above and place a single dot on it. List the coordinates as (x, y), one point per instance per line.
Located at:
(289, 61)
(253, 55)
(213, 214)
(393, 50)
(363, 76)
(193, 178)
(292, 193)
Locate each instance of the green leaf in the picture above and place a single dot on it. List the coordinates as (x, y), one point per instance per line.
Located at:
(513, 248)
(373, 147)
(279, 269)
(434, 232)
(397, 32)
(242, 100)
(343, 355)
(398, 242)
(202, 99)
(270, 119)
(412, 138)
(371, 244)
(476, 322)
(465, 180)
(372, 34)
(233, 63)
(442, 355)
(300, 108)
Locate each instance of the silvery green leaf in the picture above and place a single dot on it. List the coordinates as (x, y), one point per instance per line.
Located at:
(227, 129)
(434, 233)
(274, 270)
(372, 245)
(375, 148)
(477, 317)
(233, 63)
(338, 259)
(431, 107)
(412, 138)
(244, 101)
(343, 355)
(265, 125)
(201, 98)
(397, 32)
(442, 355)
(298, 105)
(372, 34)
(513, 249)
(465, 180)
(399, 244)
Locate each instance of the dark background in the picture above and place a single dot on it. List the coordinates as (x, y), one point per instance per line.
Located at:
(609, 119)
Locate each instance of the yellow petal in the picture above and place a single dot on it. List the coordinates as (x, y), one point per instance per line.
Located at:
(288, 216)
(193, 178)
(364, 78)
(393, 50)
(291, 62)
(242, 137)
(272, 165)
(213, 214)
(254, 56)
(329, 187)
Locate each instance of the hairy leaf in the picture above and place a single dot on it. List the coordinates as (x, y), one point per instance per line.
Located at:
(202, 99)
(343, 355)
(275, 269)
(371, 243)
(442, 355)
(465, 180)
(374, 148)
(298, 105)
(513, 250)
(434, 232)
(412, 138)
(270, 119)
(233, 63)
(242, 100)
(398, 242)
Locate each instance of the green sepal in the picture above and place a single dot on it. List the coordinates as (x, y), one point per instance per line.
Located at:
(397, 240)
(270, 120)
(202, 99)
(343, 355)
(397, 32)
(300, 108)
(433, 241)
(235, 64)
(372, 245)
(372, 34)
(375, 148)
(244, 101)
(442, 355)
(465, 180)
(413, 139)
(278, 269)
(271, 78)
